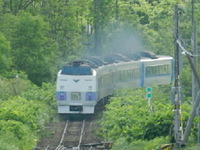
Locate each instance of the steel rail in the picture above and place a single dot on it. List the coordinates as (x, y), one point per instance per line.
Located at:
(81, 135)
(62, 138)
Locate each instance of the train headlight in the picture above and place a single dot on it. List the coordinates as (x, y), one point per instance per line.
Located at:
(90, 96)
(61, 96)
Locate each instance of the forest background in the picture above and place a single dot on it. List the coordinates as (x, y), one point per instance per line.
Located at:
(38, 36)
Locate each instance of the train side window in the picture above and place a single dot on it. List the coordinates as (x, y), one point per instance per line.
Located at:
(122, 75)
(148, 71)
(118, 76)
(100, 81)
(132, 73)
(136, 73)
(152, 71)
(161, 68)
(106, 79)
(113, 77)
(157, 70)
(165, 68)
(168, 69)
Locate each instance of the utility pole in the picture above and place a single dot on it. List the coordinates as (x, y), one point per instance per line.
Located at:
(194, 50)
(194, 83)
(193, 60)
(182, 139)
(177, 89)
(197, 99)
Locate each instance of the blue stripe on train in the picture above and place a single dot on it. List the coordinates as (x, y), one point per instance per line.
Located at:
(172, 70)
(62, 96)
(141, 74)
(90, 96)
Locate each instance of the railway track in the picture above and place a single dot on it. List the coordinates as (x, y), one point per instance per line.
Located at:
(72, 135)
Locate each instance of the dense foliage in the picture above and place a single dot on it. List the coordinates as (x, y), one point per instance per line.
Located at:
(25, 108)
(129, 118)
(38, 36)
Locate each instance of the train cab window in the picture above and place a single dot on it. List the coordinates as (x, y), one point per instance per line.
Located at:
(73, 70)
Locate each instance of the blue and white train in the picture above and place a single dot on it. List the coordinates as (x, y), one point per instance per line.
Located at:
(83, 83)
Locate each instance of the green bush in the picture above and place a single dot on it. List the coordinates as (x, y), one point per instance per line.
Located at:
(19, 109)
(128, 116)
(13, 83)
(8, 141)
(22, 136)
(22, 117)
(154, 144)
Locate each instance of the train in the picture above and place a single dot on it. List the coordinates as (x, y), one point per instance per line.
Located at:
(82, 83)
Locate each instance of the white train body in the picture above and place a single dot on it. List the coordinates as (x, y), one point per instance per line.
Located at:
(75, 91)
(81, 84)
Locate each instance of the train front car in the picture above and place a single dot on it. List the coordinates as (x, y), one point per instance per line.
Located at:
(75, 90)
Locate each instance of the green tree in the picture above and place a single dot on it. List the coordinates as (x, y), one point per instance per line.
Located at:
(31, 49)
(5, 58)
(7, 25)
(157, 25)
(14, 6)
(67, 21)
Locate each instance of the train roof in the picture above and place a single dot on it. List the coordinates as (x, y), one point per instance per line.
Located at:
(97, 61)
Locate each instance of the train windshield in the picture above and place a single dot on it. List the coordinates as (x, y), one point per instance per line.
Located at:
(71, 70)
